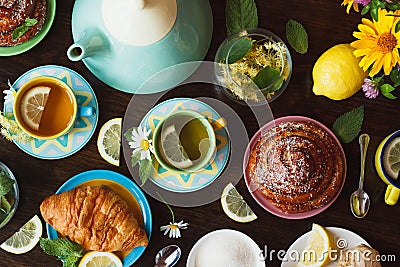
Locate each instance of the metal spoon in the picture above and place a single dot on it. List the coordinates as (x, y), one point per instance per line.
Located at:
(168, 256)
(359, 200)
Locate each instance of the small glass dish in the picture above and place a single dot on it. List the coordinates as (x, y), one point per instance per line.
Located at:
(253, 66)
(12, 197)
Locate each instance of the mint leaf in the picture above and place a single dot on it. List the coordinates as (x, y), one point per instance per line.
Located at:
(348, 126)
(386, 88)
(267, 77)
(240, 15)
(128, 134)
(69, 252)
(395, 76)
(297, 36)
(23, 28)
(237, 49)
(388, 95)
(30, 22)
(6, 184)
(145, 169)
(135, 158)
(365, 9)
(5, 205)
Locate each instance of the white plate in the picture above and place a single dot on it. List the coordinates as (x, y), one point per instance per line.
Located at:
(344, 239)
(226, 233)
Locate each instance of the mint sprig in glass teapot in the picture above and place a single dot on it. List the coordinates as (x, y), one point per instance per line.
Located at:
(126, 42)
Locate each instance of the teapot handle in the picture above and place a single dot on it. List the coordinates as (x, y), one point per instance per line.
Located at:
(139, 4)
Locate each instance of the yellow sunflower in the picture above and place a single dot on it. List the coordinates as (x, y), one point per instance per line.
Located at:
(378, 42)
(349, 4)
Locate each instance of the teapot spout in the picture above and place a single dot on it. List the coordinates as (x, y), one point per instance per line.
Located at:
(92, 42)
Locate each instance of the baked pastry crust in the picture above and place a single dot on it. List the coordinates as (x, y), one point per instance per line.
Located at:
(13, 14)
(94, 217)
(297, 166)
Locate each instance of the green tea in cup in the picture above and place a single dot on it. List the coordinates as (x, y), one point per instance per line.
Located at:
(185, 141)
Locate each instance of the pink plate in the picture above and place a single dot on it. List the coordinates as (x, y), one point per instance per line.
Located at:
(259, 197)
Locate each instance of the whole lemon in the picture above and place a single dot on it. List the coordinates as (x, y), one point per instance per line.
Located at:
(336, 73)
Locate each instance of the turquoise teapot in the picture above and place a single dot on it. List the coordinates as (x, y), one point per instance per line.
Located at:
(126, 43)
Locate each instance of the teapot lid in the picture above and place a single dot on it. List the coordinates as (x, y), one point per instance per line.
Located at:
(139, 22)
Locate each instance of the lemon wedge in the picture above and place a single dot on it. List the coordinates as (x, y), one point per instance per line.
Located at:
(109, 141)
(32, 106)
(26, 238)
(316, 253)
(97, 259)
(235, 206)
(173, 150)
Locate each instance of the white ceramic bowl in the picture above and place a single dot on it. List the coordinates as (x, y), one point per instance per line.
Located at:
(227, 235)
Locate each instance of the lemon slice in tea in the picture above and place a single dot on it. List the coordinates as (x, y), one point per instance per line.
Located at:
(391, 158)
(316, 253)
(234, 205)
(26, 238)
(173, 150)
(32, 106)
(109, 141)
(96, 258)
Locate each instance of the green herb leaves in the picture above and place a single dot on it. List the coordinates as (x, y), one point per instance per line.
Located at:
(66, 250)
(268, 76)
(23, 28)
(145, 165)
(297, 36)
(240, 15)
(6, 185)
(237, 49)
(348, 126)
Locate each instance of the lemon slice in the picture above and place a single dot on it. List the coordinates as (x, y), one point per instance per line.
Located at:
(316, 253)
(32, 106)
(25, 239)
(391, 158)
(109, 141)
(97, 259)
(173, 150)
(234, 205)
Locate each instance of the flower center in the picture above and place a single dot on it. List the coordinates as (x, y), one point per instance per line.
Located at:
(173, 226)
(387, 42)
(144, 144)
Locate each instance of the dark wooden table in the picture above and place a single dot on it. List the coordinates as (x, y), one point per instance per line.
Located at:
(327, 24)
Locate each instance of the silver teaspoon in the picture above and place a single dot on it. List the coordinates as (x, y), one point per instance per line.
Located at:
(168, 256)
(359, 200)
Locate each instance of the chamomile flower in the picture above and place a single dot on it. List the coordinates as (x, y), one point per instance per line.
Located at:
(9, 94)
(141, 142)
(174, 229)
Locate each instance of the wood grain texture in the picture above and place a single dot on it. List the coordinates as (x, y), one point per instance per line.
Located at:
(327, 24)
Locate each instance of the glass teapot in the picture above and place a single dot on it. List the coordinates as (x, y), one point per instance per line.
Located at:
(125, 43)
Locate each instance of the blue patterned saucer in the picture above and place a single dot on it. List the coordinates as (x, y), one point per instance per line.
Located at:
(183, 183)
(84, 127)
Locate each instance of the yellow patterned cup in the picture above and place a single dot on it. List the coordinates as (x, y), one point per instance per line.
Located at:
(60, 110)
(393, 189)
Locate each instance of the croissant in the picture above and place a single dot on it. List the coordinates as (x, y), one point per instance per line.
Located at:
(94, 217)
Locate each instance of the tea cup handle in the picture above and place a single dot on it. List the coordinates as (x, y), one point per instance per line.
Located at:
(86, 111)
(218, 123)
(392, 195)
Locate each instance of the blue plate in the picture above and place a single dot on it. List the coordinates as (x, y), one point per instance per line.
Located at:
(134, 255)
